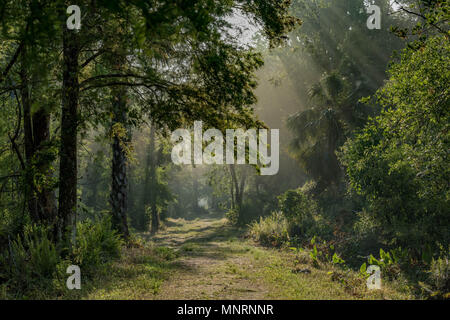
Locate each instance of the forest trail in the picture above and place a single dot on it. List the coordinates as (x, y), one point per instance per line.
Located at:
(216, 261)
(206, 258)
(213, 262)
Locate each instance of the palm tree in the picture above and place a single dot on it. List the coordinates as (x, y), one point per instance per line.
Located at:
(321, 129)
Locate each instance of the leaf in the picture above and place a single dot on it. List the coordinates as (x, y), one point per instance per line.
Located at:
(363, 268)
(382, 254)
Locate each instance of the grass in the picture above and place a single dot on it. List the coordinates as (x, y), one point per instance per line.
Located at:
(208, 259)
(223, 265)
(138, 275)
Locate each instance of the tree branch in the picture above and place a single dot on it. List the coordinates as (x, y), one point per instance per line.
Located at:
(91, 58)
(11, 63)
(16, 149)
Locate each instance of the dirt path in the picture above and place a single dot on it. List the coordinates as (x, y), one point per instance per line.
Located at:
(213, 262)
(208, 259)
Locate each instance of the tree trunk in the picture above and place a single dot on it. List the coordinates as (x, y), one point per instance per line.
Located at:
(233, 203)
(238, 187)
(119, 188)
(68, 148)
(195, 192)
(240, 197)
(143, 218)
(237, 193)
(36, 135)
(28, 138)
(45, 196)
(153, 196)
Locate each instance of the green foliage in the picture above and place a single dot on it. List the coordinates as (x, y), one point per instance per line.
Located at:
(295, 203)
(30, 260)
(384, 260)
(319, 130)
(399, 161)
(314, 254)
(165, 253)
(302, 212)
(333, 61)
(434, 14)
(271, 230)
(33, 262)
(439, 275)
(96, 243)
(337, 259)
(297, 220)
(390, 262)
(232, 215)
(363, 269)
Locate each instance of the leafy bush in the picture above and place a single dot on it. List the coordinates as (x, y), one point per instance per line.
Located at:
(30, 259)
(233, 216)
(271, 230)
(11, 223)
(96, 243)
(440, 275)
(399, 161)
(302, 213)
(390, 262)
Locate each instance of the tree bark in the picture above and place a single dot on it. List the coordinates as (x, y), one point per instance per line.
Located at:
(41, 137)
(36, 135)
(69, 130)
(238, 188)
(28, 138)
(119, 188)
(153, 196)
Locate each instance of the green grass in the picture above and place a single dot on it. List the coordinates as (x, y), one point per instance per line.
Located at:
(208, 259)
(216, 262)
(138, 275)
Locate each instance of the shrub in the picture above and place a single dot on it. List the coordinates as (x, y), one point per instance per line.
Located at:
(33, 265)
(30, 259)
(96, 243)
(11, 223)
(302, 213)
(271, 230)
(233, 216)
(399, 161)
(439, 275)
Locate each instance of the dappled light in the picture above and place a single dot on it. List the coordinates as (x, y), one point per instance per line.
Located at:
(224, 150)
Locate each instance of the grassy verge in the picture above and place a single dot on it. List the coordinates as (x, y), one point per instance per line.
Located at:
(208, 259)
(138, 274)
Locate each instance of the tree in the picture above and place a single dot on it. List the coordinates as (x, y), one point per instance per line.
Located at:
(152, 176)
(319, 131)
(179, 66)
(35, 96)
(68, 173)
(399, 161)
(333, 61)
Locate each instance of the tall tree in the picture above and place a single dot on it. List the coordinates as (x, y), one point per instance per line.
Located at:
(121, 136)
(338, 61)
(187, 64)
(153, 181)
(68, 173)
